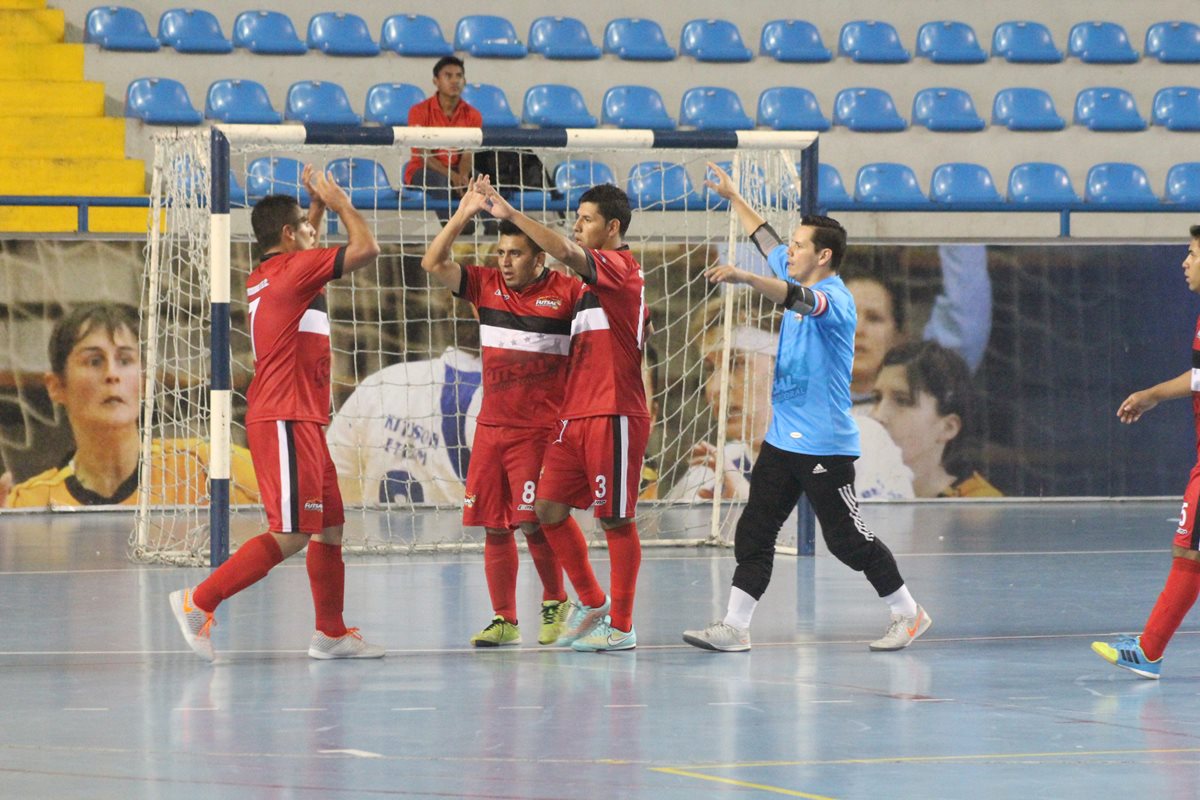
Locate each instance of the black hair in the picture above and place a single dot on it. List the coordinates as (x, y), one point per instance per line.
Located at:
(943, 373)
(446, 61)
(828, 234)
(81, 321)
(509, 228)
(1195, 231)
(269, 216)
(612, 202)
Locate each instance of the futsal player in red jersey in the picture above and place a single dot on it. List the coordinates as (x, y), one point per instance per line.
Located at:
(525, 313)
(595, 456)
(1142, 654)
(287, 409)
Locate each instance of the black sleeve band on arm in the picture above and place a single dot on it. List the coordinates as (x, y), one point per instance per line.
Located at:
(338, 261)
(590, 278)
(800, 299)
(765, 239)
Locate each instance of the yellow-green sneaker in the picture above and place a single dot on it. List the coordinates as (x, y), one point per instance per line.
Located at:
(500, 633)
(554, 619)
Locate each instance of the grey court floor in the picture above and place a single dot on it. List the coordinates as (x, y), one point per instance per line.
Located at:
(1002, 698)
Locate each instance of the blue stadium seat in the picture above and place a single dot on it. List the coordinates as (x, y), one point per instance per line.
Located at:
(662, 185)
(365, 181)
(1183, 183)
(492, 105)
(713, 40)
(1116, 183)
(1100, 43)
(237, 195)
(886, 183)
(1106, 108)
(341, 34)
(118, 28)
(948, 42)
(388, 103)
(872, 42)
(267, 33)
(635, 107)
(945, 109)
(963, 183)
(712, 108)
(633, 39)
(573, 178)
(554, 105)
(1174, 42)
(160, 101)
(1023, 42)
(240, 101)
(790, 108)
(830, 188)
(275, 175)
(864, 109)
(1037, 183)
(1177, 108)
(793, 41)
(563, 38)
(488, 36)
(191, 30)
(414, 35)
(319, 101)
(1026, 109)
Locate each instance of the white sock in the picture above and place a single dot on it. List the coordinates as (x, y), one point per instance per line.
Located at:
(901, 602)
(741, 609)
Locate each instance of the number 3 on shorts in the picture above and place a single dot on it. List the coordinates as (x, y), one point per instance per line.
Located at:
(601, 487)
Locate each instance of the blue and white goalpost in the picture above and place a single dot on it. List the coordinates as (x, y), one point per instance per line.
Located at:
(404, 495)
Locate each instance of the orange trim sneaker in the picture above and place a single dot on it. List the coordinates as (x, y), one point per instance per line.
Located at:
(195, 623)
(903, 631)
(349, 645)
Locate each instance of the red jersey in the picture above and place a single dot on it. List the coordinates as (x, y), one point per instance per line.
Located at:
(429, 114)
(526, 338)
(1196, 385)
(608, 333)
(289, 333)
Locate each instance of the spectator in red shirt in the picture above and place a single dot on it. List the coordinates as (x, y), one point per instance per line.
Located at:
(443, 169)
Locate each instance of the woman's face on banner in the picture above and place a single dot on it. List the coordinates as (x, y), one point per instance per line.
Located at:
(912, 419)
(99, 385)
(876, 331)
(750, 376)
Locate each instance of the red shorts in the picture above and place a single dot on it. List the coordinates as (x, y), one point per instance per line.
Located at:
(597, 462)
(1186, 534)
(502, 478)
(296, 476)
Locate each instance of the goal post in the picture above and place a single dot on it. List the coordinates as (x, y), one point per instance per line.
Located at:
(390, 326)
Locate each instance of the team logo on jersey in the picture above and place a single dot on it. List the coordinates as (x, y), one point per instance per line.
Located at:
(549, 302)
(469, 501)
(314, 505)
(499, 293)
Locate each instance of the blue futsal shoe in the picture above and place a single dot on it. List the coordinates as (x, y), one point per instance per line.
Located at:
(1127, 653)
(581, 620)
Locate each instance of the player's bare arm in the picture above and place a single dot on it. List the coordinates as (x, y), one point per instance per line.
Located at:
(555, 244)
(1138, 403)
(361, 249)
(724, 186)
(773, 289)
(316, 206)
(438, 260)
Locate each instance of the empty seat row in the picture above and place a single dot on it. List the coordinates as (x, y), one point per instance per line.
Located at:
(490, 36)
(165, 101)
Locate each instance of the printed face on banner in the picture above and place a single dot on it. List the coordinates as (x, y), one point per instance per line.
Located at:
(99, 385)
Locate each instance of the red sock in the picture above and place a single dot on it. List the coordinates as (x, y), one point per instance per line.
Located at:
(1177, 598)
(571, 549)
(327, 579)
(500, 566)
(548, 568)
(250, 564)
(625, 556)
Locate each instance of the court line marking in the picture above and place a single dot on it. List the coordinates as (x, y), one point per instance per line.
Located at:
(943, 759)
(762, 787)
(84, 708)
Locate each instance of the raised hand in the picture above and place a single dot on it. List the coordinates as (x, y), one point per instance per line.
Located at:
(325, 189)
(306, 179)
(726, 273)
(497, 206)
(724, 185)
(475, 199)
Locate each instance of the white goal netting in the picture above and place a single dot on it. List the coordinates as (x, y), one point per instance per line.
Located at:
(395, 332)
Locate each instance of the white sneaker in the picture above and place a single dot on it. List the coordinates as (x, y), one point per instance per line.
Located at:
(348, 645)
(902, 631)
(581, 620)
(195, 623)
(721, 637)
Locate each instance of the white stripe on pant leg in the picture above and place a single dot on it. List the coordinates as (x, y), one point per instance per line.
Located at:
(623, 478)
(851, 501)
(285, 478)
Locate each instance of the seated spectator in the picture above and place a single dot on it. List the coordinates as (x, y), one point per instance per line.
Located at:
(95, 374)
(925, 399)
(441, 171)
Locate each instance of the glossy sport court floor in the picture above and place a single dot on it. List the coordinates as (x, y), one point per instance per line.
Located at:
(1002, 698)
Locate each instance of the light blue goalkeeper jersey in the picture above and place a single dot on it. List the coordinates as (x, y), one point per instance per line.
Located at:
(810, 398)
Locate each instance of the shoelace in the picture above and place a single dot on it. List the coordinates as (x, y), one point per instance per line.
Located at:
(206, 628)
(353, 632)
(549, 613)
(495, 623)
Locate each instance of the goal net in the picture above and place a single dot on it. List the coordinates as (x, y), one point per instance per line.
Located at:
(406, 365)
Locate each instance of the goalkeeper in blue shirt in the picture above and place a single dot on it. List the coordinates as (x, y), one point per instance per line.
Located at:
(812, 442)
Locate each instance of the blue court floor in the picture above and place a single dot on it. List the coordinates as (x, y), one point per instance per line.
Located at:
(1002, 698)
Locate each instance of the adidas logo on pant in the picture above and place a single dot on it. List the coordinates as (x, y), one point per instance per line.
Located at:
(818, 470)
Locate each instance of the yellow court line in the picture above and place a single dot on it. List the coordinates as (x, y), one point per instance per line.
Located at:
(932, 759)
(743, 784)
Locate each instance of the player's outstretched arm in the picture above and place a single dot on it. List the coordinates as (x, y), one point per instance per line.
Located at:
(555, 244)
(773, 289)
(438, 260)
(316, 206)
(1138, 403)
(361, 249)
(724, 186)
